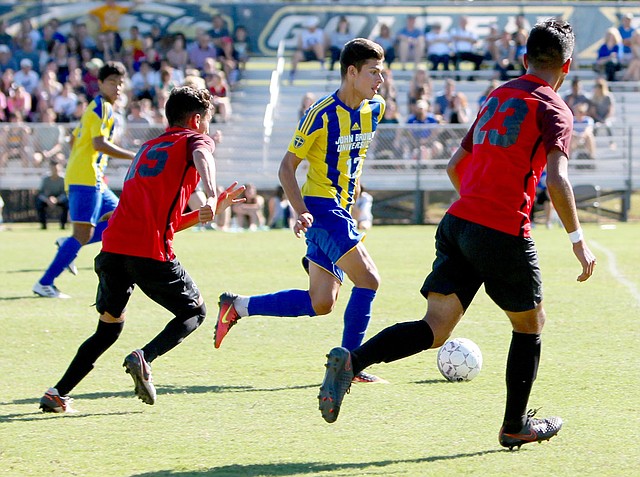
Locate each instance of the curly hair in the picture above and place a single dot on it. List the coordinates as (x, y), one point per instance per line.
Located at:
(185, 101)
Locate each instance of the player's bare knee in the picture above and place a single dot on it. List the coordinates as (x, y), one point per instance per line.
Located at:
(109, 318)
(323, 306)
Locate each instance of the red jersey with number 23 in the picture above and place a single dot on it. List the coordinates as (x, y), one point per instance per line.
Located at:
(155, 193)
(517, 126)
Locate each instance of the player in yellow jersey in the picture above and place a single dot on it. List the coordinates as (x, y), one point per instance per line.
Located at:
(333, 137)
(89, 197)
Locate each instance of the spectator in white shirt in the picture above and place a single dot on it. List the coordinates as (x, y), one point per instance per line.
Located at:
(438, 47)
(464, 44)
(26, 77)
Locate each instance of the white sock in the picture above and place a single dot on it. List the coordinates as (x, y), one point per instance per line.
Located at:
(241, 304)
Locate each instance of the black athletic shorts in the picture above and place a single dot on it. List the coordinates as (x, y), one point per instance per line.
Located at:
(469, 254)
(166, 283)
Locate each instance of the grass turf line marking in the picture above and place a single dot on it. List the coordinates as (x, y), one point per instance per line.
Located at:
(613, 269)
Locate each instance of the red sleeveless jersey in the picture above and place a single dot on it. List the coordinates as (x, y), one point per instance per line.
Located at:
(517, 126)
(156, 189)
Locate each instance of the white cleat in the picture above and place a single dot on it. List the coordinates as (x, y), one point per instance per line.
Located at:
(72, 266)
(48, 291)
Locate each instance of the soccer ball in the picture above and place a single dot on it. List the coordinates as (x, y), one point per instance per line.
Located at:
(459, 360)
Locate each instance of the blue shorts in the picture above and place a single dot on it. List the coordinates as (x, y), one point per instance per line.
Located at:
(333, 234)
(87, 204)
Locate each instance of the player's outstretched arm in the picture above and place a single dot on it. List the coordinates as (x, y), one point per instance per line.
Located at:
(103, 145)
(563, 201)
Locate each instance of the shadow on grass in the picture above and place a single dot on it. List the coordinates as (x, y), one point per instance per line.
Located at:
(161, 390)
(37, 415)
(312, 468)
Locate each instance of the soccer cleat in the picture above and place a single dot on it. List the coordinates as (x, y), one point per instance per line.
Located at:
(72, 266)
(534, 430)
(336, 383)
(364, 377)
(53, 402)
(227, 317)
(48, 291)
(140, 372)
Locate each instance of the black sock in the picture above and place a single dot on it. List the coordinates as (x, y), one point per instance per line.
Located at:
(522, 368)
(174, 333)
(393, 343)
(106, 334)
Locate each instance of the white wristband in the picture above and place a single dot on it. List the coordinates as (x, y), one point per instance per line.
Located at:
(576, 236)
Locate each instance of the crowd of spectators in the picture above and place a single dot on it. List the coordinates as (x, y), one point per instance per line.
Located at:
(49, 77)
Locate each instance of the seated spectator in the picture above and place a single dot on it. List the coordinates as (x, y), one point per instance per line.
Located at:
(609, 54)
(134, 44)
(444, 97)
(306, 102)
(457, 110)
(48, 88)
(582, 139)
(576, 97)
(489, 43)
(602, 108)
(28, 51)
(337, 40)
(505, 55)
(19, 103)
(362, 209)
(388, 44)
(144, 82)
(310, 46)
(250, 214)
(420, 87)
(241, 51)
(200, 50)
(177, 56)
(7, 61)
(221, 37)
(520, 37)
(281, 214)
(410, 41)
(464, 45)
(64, 105)
(49, 139)
(3, 106)
(90, 78)
(81, 34)
(52, 195)
(15, 138)
(438, 47)
(5, 38)
(26, 76)
(632, 73)
(493, 84)
(136, 116)
(388, 143)
(423, 142)
(218, 87)
(626, 31)
(388, 89)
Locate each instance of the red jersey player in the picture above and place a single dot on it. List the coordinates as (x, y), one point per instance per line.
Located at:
(137, 244)
(484, 237)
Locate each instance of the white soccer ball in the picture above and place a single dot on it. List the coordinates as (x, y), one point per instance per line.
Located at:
(459, 359)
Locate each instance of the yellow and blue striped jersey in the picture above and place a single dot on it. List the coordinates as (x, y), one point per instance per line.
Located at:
(334, 139)
(86, 165)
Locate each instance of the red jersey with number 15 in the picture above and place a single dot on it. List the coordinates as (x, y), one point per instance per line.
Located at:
(154, 196)
(517, 126)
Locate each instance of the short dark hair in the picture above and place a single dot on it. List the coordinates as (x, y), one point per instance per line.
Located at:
(550, 44)
(185, 101)
(357, 51)
(112, 68)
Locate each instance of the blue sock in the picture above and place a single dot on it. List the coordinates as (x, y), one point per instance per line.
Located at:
(67, 253)
(97, 232)
(357, 316)
(282, 303)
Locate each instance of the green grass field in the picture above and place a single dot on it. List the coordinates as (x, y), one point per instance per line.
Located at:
(250, 408)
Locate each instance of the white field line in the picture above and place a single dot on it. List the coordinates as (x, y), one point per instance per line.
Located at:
(613, 269)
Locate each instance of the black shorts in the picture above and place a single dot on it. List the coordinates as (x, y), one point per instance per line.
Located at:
(310, 55)
(166, 283)
(469, 254)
